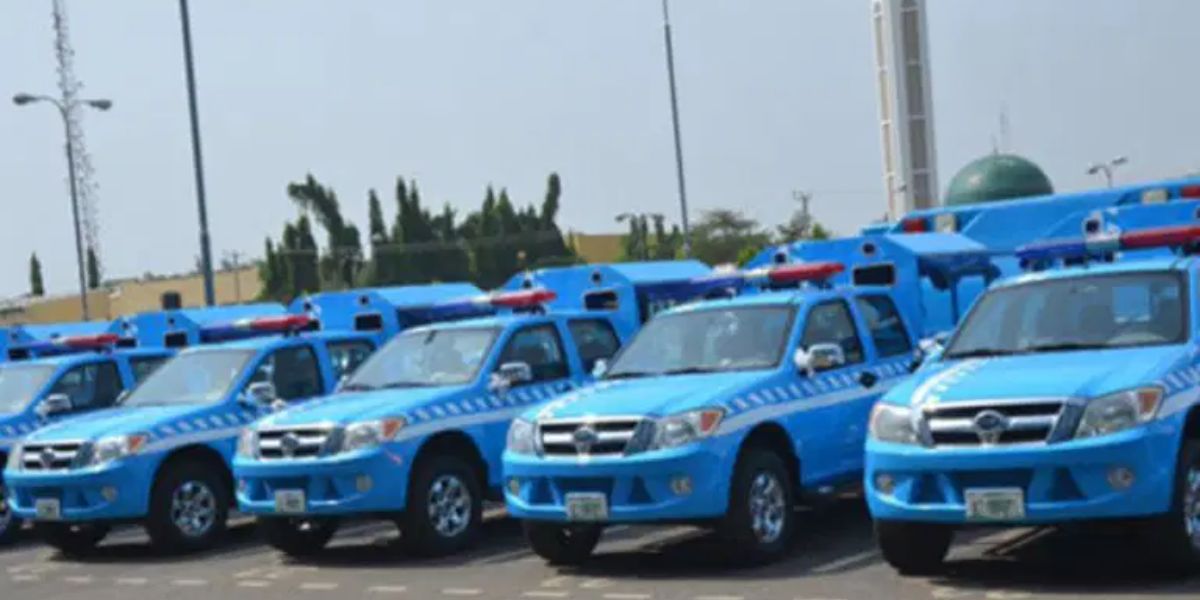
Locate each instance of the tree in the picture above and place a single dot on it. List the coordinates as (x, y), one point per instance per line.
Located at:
(724, 236)
(36, 286)
(93, 269)
(344, 259)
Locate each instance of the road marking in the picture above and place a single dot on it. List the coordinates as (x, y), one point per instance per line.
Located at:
(317, 586)
(189, 582)
(718, 598)
(26, 578)
(1007, 595)
(387, 589)
(545, 594)
(845, 562)
(79, 579)
(132, 581)
(623, 596)
(555, 581)
(254, 583)
(248, 573)
(948, 592)
(595, 584)
(462, 592)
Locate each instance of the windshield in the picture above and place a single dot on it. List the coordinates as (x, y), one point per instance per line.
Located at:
(428, 357)
(18, 384)
(191, 378)
(707, 340)
(1101, 311)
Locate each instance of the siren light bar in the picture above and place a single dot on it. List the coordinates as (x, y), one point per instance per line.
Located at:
(256, 326)
(1177, 236)
(66, 344)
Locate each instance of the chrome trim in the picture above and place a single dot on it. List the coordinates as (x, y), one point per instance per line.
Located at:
(1059, 424)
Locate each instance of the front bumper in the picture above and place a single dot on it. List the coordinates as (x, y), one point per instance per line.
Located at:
(364, 482)
(1066, 481)
(116, 491)
(638, 487)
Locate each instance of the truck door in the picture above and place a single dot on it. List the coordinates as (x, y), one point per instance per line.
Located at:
(294, 371)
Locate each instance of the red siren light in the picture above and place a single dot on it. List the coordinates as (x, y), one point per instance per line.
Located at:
(528, 298)
(813, 271)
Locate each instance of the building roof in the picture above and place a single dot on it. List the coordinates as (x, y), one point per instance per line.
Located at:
(997, 177)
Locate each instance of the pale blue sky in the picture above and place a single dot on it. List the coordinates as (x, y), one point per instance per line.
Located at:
(775, 95)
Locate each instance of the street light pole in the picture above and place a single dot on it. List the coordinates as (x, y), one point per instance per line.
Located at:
(197, 162)
(64, 111)
(1107, 168)
(683, 207)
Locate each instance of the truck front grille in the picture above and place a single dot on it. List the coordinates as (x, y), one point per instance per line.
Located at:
(51, 456)
(298, 442)
(995, 423)
(588, 437)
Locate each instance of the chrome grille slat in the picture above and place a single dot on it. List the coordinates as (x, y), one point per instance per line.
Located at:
(1005, 422)
(51, 456)
(301, 442)
(607, 436)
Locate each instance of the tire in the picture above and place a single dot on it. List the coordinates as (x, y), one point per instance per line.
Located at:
(445, 506)
(10, 525)
(72, 539)
(562, 545)
(189, 506)
(1176, 535)
(760, 522)
(297, 537)
(913, 548)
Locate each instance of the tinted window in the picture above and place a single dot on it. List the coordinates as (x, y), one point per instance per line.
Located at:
(89, 386)
(595, 340)
(885, 326)
(144, 366)
(540, 348)
(293, 371)
(346, 356)
(606, 300)
(830, 323)
(882, 274)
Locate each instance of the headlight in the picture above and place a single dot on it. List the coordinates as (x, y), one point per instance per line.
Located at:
(1119, 411)
(521, 437)
(14, 459)
(247, 445)
(115, 448)
(892, 423)
(368, 434)
(679, 430)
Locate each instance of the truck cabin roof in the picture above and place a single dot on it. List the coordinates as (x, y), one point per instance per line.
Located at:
(177, 328)
(388, 310)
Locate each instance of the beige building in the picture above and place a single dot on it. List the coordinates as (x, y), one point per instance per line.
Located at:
(125, 297)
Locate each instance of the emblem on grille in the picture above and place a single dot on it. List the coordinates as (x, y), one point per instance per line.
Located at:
(584, 436)
(989, 425)
(288, 444)
(47, 458)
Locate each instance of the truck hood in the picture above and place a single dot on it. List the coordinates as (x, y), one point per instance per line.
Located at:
(651, 396)
(350, 407)
(158, 421)
(1076, 374)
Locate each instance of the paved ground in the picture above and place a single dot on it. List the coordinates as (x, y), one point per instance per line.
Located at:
(835, 560)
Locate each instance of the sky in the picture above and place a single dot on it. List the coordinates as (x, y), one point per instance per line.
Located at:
(775, 95)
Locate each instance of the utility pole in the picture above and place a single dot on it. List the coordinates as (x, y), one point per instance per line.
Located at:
(683, 207)
(235, 259)
(805, 217)
(197, 162)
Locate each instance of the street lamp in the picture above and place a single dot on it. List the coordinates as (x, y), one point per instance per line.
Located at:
(65, 111)
(1107, 168)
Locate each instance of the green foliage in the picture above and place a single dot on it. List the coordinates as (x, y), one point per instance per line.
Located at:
(726, 236)
(638, 244)
(36, 285)
(93, 269)
(344, 258)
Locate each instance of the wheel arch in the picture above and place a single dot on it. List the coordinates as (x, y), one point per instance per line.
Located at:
(202, 454)
(774, 437)
(456, 442)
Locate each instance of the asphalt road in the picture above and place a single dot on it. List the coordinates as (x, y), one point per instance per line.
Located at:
(834, 560)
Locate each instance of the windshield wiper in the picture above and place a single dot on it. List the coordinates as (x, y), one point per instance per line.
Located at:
(357, 387)
(982, 352)
(629, 375)
(403, 384)
(691, 370)
(1063, 346)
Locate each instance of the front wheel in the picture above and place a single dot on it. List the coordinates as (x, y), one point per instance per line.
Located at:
(445, 506)
(10, 525)
(72, 539)
(297, 537)
(562, 545)
(761, 516)
(188, 507)
(913, 548)
(1177, 534)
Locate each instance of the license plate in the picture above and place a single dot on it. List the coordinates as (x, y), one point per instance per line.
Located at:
(290, 501)
(587, 507)
(48, 509)
(995, 504)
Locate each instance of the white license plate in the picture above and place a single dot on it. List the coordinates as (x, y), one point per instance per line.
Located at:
(48, 509)
(1006, 504)
(588, 506)
(290, 501)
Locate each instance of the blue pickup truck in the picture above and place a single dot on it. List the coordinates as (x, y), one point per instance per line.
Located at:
(1066, 395)
(75, 375)
(161, 456)
(415, 435)
(720, 413)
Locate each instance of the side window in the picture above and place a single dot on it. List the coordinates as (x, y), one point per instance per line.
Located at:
(830, 323)
(539, 347)
(90, 386)
(594, 339)
(886, 327)
(142, 367)
(347, 355)
(293, 371)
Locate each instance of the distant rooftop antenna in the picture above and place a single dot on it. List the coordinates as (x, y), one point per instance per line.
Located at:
(1005, 133)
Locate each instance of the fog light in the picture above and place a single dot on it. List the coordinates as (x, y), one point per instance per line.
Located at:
(514, 486)
(363, 483)
(1120, 478)
(109, 492)
(681, 485)
(886, 484)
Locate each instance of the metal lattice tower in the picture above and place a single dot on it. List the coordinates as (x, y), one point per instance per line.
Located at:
(69, 87)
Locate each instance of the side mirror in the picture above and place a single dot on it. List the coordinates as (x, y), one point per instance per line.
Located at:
(261, 393)
(54, 404)
(819, 357)
(510, 374)
(599, 368)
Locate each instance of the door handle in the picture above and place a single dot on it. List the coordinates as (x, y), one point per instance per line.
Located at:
(868, 379)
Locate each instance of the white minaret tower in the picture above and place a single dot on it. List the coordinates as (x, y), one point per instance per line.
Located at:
(905, 105)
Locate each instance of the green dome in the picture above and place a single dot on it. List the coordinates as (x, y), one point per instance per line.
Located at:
(997, 177)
